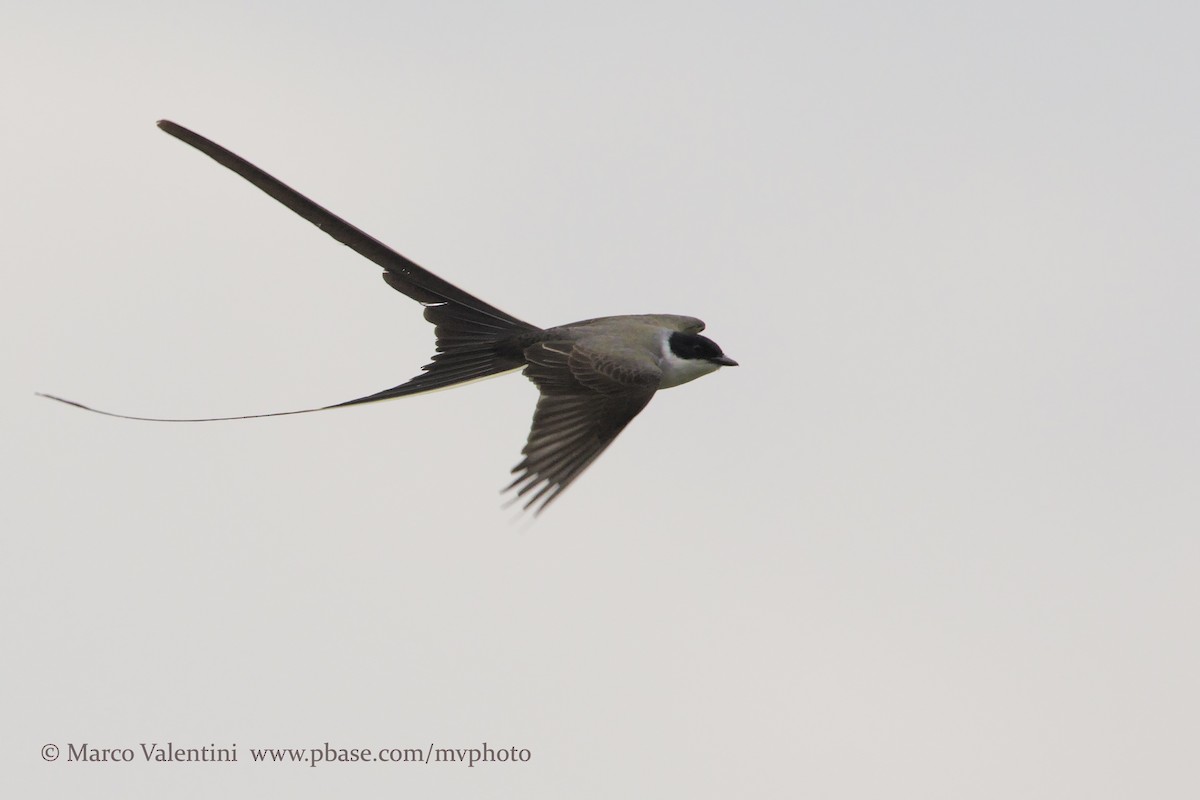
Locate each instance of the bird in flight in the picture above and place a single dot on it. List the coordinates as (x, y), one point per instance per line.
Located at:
(593, 376)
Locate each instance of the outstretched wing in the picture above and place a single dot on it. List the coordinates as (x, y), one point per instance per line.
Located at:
(588, 395)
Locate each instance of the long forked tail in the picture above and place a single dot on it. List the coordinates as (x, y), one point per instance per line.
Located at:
(471, 345)
(474, 339)
(469, 349)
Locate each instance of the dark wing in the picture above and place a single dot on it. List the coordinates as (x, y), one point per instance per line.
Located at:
(588, 396)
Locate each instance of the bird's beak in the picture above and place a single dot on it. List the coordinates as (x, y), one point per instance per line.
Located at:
(724, 361)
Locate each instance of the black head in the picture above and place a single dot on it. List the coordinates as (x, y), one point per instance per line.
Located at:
(694, 347)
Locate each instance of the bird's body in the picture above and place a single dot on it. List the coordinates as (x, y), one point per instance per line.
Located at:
(594, 376)
(642, 332)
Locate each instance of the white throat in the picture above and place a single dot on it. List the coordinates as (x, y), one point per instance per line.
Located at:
(678, 370)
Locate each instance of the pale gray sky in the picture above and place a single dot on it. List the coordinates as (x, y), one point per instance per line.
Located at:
(936, 538)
